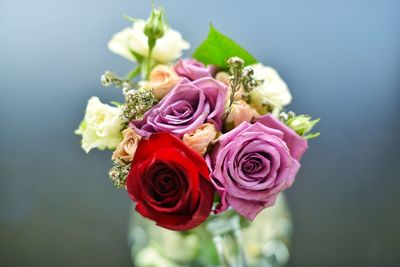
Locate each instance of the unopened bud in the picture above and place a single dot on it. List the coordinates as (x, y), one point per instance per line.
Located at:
(302, 125)
(155, 26)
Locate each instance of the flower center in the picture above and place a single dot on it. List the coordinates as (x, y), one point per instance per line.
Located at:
(254, 164)
(165, 183)
(178, 113)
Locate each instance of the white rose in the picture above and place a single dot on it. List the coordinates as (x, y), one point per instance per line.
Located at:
(101, 126)
(272, 91)
(119, 44)
(168, 48)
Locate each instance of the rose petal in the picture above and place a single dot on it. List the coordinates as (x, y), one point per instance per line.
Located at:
(296, 144)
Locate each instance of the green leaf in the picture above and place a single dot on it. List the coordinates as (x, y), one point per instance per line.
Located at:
(116, 104)
(139, 58)
(218, 48)
(311, 136)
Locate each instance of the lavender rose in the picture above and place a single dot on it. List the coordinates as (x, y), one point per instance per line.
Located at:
(191, 69)
(185, 108)
(253, 163)
(296, 144)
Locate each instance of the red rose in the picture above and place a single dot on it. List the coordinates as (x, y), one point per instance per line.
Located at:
(170, 183)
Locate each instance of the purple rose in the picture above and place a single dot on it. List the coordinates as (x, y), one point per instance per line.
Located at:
(252, 164)
(185, 108)
(191, 69)
(296, 144)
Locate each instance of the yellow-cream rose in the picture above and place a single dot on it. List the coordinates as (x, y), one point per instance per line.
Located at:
(201, 138)
(127, 148)
(223, 77)
(162, 79)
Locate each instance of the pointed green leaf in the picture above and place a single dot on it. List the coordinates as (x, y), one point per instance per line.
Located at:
(139, 58)
(218, 48)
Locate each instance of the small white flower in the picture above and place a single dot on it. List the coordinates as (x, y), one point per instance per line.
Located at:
(101, 127)
(168, 48)
(273, 91)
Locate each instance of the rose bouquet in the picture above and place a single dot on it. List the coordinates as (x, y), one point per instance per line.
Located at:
(195, 136)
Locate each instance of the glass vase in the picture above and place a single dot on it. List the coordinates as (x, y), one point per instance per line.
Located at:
(224, 240)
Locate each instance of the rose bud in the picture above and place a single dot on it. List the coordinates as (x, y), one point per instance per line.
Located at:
(223, 77)
(162, 79)
(201, 138)
(155, 26)
(127, 148)
(240, 112)
(302, 125)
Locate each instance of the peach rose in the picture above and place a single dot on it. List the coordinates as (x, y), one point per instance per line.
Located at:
(240, 112)
(162, 79)
(201, 138)
(127, 148)
(223, 77)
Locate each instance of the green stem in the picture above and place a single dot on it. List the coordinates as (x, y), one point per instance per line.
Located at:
(151, 43)
(149, 64)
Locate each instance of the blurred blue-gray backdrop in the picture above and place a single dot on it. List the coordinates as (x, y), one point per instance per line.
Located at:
(340, 58)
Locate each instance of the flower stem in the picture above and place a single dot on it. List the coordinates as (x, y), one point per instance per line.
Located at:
(151, 43)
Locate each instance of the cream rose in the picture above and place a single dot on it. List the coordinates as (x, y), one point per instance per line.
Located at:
(272, 91)
(162, 79)
(119, 44)
(168, 48)
(201, 138)
(101, 126)
(127, 148)
(240, 112)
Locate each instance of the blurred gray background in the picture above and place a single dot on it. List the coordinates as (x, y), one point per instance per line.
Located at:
(340, 58)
